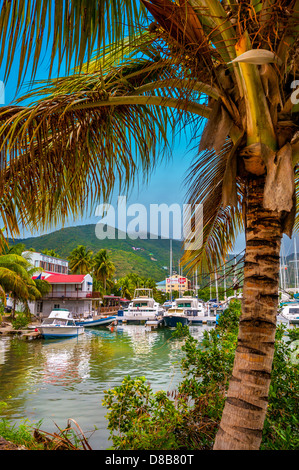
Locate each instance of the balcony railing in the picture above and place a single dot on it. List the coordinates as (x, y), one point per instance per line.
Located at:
(71, 294)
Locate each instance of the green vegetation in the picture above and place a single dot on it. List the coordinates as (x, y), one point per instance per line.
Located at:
(20, 435)
(28, 435)
(103, 268)
(80, 260)
(122, 254)
(189, 417)
(16, 280)
(126, 285)
(21, 320)
(207, 293)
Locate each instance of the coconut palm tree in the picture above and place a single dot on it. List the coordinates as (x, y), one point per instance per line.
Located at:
(16, 280)
(230, 66)
(127, 287)
(13, 277)
(80, 260)
(103, 268)
(50, 253)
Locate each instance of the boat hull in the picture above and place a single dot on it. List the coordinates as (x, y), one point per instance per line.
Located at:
(171, 321)
(98, 322)
(291, 318)
(60, 331)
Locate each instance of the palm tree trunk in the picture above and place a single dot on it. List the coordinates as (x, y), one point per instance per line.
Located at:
(246, 404)
(13, 311)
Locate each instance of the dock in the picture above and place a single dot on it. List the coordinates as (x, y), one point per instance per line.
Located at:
(202, 320)
(150, 322)
(153, 324)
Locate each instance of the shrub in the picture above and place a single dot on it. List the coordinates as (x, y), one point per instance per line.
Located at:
(20, 321)
(190, 417)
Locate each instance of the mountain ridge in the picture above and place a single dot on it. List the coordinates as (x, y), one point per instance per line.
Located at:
(149, 257)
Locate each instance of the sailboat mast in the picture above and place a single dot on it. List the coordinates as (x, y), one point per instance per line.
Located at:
(216, 284)
(296, 265)
(170, 269)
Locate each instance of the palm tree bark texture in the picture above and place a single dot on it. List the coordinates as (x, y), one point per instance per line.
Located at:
(246, 403)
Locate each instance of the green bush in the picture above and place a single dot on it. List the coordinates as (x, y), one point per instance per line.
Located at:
(281, 429)
(21, 434)
(190, 417)
(20, 321)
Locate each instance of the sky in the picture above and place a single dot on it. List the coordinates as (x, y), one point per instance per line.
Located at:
(165, 186)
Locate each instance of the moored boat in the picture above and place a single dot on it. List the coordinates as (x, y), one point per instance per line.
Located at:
(143, 307)
(60, 324)
(94, 322)
(290, 312)
(174, 316)
(194, 309)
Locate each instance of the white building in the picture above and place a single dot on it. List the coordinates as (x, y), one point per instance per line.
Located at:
(71, 291)
(49, 264)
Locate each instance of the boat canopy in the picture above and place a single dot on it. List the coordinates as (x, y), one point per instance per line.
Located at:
(62, 313)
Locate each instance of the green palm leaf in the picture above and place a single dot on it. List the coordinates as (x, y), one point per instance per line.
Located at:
(220, 224)
(111, 125)
(12, 282)
(71, 30)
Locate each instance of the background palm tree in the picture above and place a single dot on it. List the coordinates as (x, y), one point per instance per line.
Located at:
(50, 253)
(16, 280)
(233, 63)
(127, 287)
(80, 260)
(103, 268)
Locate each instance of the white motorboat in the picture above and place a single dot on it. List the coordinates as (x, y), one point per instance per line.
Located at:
(193, 308)
(290, 312)
(60, 324)
(142, 307)
(174, 316)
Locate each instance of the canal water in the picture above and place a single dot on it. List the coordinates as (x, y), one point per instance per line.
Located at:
(53, 380)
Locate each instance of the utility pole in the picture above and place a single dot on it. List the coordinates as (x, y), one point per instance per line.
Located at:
(296, 265)
(216, 284)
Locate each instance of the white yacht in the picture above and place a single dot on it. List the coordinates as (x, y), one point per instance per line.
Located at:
(194, 309)
(174, 316)
(290, 312)
(142, 307)
(60, 323)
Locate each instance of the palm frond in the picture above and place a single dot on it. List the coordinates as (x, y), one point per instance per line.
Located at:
(71, 30)
(12, 282)
(90, 132)
(220, 225)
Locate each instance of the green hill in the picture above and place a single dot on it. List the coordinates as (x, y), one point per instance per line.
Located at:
(146, 257)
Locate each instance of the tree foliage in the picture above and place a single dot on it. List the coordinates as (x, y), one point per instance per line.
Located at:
(188, 418)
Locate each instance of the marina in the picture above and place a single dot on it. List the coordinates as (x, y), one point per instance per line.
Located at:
(56, 379)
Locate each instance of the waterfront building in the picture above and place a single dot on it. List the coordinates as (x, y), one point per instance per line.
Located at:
(71, 291)
(49, 264)
(177, 283)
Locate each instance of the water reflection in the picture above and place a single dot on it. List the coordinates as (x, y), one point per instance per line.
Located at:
(54, 380)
